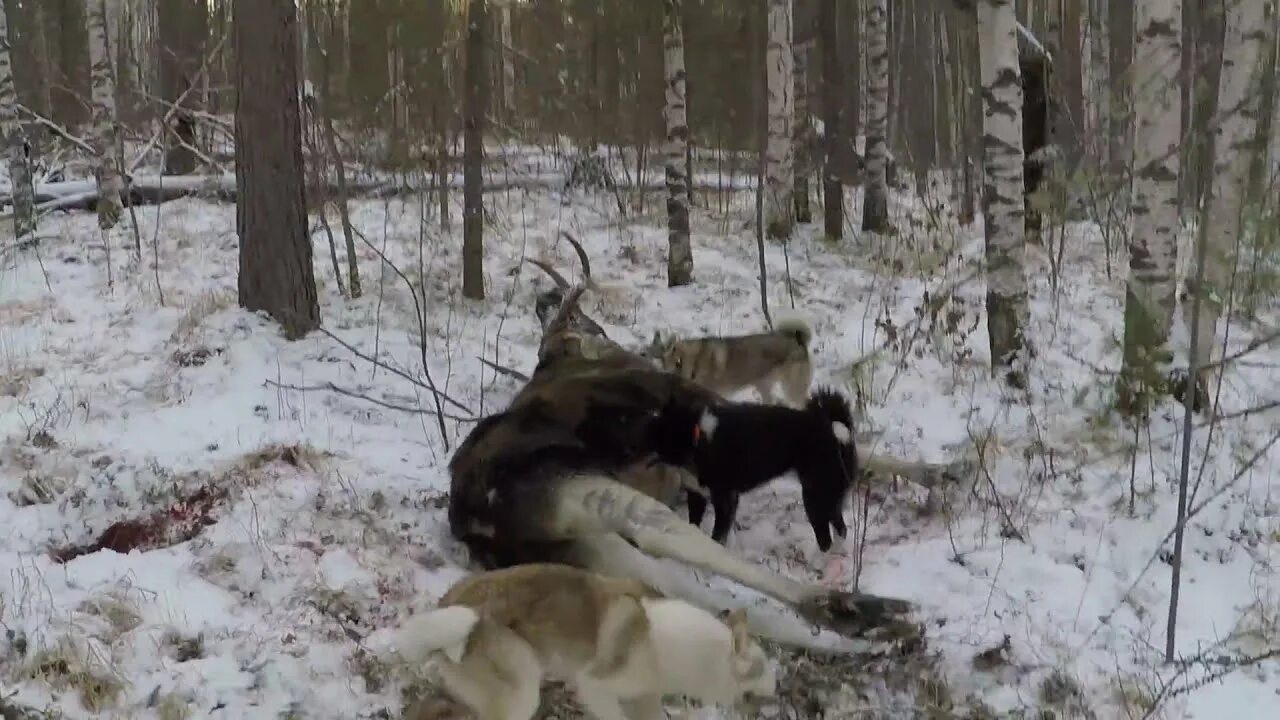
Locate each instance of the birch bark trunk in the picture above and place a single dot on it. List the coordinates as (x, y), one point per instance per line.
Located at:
(14, 140)
(779, 198)
(1151, 292)
(679, 252)
(103, 101)
(875, 203)
(1003, 207)
(1236, 141)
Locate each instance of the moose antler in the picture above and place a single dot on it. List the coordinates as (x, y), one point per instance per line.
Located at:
(582, 255)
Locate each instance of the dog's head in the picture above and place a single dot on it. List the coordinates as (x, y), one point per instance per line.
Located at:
(751, 669)
(675, 431)
(669, 353)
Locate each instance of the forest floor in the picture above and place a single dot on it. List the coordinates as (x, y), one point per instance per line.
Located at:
(199, 518)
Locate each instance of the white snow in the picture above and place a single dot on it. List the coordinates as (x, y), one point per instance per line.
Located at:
(101, 423)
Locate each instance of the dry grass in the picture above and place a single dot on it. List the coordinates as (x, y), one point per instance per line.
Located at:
(69, 666)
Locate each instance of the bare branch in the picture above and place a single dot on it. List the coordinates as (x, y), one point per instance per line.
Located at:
(331, 387)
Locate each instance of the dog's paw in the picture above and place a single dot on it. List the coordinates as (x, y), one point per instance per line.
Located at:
(837, 572)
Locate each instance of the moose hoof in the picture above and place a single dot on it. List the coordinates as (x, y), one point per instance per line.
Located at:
(865, 616)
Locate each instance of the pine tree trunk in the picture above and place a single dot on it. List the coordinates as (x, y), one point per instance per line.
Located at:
(276, 271)
(1150, 296)
(11, 134)
(875, 203)
(780, 183)
(800, 133)
(105, 133)
(1236, 141)
(1002, 190)
(1271, 171)
(679, 252)
(1098, 84)
(1120, 36)
(832, 189)
(1071, 84)
(475, 105)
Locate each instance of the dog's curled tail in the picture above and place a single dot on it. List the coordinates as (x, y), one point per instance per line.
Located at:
(443, 630)
(832, 406)
(793, 324)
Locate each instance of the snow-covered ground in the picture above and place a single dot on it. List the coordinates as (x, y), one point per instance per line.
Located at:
(296, 517)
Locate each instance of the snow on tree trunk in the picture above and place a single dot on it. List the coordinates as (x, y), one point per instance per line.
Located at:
(1235, 143)
(1150, 297)
(24, 214)
(875, 204)
(1097, 83)
(103, 100)
(679, 253)
(1002, 201)
(779, 202)
(508, 64)
(800, 134)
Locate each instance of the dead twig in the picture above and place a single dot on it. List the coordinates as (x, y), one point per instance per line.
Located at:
(509, 372)
(428, 385)
(331, 387)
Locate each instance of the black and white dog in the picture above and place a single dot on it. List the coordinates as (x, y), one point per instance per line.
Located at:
(733, 448)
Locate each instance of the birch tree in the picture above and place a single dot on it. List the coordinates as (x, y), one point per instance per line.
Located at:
(875, 203)
(679, 253)
(1236, 141)
(23, 194)
(103, 101)
(1003, 207)
(1151, 292)
(779, 200)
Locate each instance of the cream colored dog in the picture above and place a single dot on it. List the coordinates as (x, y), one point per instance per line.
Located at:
(621, 645)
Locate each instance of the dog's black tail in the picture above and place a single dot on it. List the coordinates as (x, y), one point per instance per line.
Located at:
(831, 405)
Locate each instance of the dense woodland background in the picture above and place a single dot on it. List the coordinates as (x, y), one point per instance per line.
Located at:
(1104, 144)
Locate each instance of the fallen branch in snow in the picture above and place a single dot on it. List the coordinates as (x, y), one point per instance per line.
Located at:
(331, 387)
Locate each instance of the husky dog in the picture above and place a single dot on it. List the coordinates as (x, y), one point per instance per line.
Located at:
(737, 447)
(729, 364)
(617, 642)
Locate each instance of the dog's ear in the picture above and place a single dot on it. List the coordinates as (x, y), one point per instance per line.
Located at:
(655, 345)
(736, 619)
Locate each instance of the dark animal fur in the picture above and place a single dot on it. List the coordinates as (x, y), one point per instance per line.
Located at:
(753, 444)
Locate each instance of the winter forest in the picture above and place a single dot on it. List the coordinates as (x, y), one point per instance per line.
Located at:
(275, 273)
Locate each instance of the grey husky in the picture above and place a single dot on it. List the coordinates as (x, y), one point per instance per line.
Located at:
(729, 364)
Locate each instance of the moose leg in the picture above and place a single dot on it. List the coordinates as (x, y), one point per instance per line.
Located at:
(585, 505)
(608, 554)
(922, 473)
